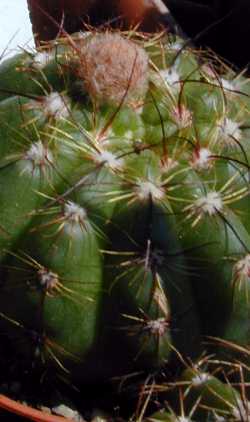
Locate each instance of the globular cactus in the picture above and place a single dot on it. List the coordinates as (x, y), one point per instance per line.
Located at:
(124, 219)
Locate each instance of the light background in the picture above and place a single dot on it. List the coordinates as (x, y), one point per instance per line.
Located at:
(15, 27)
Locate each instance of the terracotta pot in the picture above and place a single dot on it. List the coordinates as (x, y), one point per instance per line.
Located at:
(48, 16)
(27, 412)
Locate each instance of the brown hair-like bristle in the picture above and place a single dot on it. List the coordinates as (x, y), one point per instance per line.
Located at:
(113, 68)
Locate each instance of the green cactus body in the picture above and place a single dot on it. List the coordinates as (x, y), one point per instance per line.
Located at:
(211, 394)
(167, 417)
(124, 215)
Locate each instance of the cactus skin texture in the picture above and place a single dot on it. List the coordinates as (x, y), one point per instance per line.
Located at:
(124, 219)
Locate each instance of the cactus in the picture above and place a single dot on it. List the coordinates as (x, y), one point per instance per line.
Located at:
(124, 224)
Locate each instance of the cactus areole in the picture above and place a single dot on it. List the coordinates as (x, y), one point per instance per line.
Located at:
(124, 191)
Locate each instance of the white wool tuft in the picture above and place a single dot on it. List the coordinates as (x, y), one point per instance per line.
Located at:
(209, 204)
(145, 189)
(201, 159)
(41, 59)
(200, 379)
(109, 159)
(56, 105)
